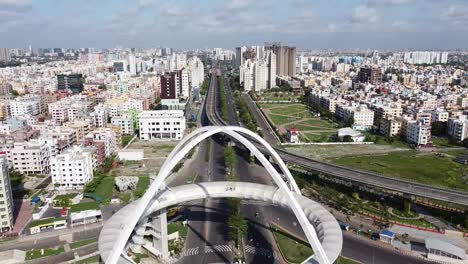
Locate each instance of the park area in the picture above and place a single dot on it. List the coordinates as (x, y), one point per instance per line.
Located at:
(296, 115)
(428, 168)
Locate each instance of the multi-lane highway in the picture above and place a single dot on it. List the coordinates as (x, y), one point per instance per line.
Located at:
(354, 175)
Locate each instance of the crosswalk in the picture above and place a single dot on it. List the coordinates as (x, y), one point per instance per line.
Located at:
(261, 251)
(267, 253)
(190, 252)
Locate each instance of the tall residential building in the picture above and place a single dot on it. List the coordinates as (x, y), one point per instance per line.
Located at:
(196, 71)
(260, 76)
(271, 58)
(72, 169)
(6, 197)
(73, 82)
(162, 125)
(370, 75)
(285, 59)
(5, 54)
(169, 85)
(425, 57)
(132, 64)
(184, 89)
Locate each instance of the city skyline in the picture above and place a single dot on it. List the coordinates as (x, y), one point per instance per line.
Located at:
(380, 24)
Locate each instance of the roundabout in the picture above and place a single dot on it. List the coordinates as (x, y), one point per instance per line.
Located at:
(126, 230)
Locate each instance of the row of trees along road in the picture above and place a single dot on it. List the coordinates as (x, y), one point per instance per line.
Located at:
(236, 223)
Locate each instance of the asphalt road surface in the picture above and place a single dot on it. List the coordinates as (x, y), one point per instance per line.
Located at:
(207, 240)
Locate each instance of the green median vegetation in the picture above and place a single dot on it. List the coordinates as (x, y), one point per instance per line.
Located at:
(37, 253)
(223, 100)
(293, 249)
(82, 243)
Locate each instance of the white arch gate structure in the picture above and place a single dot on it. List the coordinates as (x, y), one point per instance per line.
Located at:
(142, 208)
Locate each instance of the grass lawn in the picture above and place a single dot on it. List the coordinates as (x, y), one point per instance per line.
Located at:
(177, 226)
(90, 260)
(65, 196)
(143, 184)
(319, 137)
(318, 123)
(294, 250)
(36, 253)
(424, 168)
(289, 109)
(343, 260)
(105, 189)
(82, 243)
(84, 206)
(268, 106)
(443, 142)
(279, 120)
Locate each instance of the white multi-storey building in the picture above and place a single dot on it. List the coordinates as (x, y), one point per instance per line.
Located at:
(31, 157)
(184, 85)
(418, 133)
(458, 128)
(260, 76)
(125, 122)
(72, 169)
(6, 197)
(59, 112)
(440, 115)
(21, 107)
(362, 117)
(162, 125)
(196, 71)
(99, 116)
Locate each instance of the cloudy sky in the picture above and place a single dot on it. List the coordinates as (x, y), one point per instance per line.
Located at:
(422, 24)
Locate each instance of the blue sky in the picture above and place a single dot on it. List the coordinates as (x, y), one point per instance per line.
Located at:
(419, 24)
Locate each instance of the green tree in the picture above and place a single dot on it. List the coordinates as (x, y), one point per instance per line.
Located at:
(14, 93)
(407, 207)
(439, 128)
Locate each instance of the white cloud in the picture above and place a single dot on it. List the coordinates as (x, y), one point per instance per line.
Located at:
(456, 16)
(18, 5)
(145, 3)
(363, 14)
(390, 2)
(238, 4)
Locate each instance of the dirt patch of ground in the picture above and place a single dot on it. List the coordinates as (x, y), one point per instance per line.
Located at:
(335, 151)
(155, 153)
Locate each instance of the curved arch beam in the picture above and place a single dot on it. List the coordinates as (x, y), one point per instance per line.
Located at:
(328, 229)
(265, 144)
(178, 155)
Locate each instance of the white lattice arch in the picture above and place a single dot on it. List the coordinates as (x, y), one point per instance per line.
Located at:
(182, 149)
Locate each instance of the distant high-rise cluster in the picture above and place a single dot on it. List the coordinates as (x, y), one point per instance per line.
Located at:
(426, 57)
(259, 65)
(257, 70)
(285, 58)
(5, 54)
